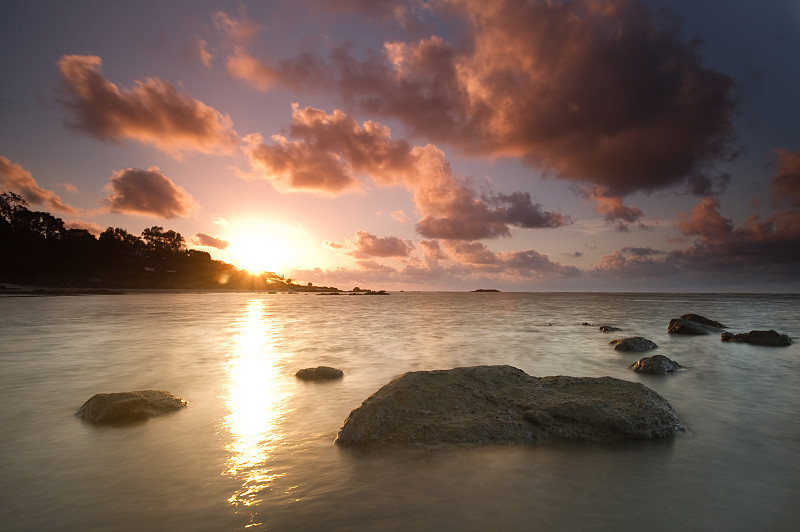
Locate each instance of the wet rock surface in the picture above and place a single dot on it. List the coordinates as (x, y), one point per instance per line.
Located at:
(126, 407)
(501, 404)
(655, 365)
(634, 343)
(766, 338)
(694, 324)
(609, 328)
(320, 373)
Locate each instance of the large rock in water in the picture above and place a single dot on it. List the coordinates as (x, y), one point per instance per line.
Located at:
(501, 404)
(123, 407)
(694, 324)
(634, 343)
(768, 338)
(655, 365)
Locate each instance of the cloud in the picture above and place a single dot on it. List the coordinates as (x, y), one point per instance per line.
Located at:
(202, 52)
(92, 227)
(332, 152)
(241, 65)
(148, 193)
(367, 245)
(706, 221)
(208, 241)
(152, 112)
(598, 92)
(240, 29)
(508, 265)
(785, 187)
(637, 264)
(399, 216)
(15, 178)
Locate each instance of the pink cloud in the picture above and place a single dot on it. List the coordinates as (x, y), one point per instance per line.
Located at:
(785, 187)
(241, 65)
(148, 193)
(366, 245)
(706, 221)
(80, 224)
(333, 153)
(208, 241)
(399, 216)
(16, 179)
(152, 112)
(612, 208)
(595, 91)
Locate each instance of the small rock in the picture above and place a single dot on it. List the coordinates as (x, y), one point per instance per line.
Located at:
(768, 338)
(125, 407)
(655, 365)
(634, 343)
(320, 373)
(609, 328)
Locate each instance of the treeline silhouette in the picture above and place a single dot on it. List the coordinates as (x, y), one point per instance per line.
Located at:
(37, 249)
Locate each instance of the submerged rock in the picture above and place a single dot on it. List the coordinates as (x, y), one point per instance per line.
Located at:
(634, 343)
(609, 328)
(124, 407)
(655, 365)
(694, 324)
(768, 338)
(320, 373)
(501, 404)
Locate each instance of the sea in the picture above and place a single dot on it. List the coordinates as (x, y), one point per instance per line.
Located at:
(255, 450)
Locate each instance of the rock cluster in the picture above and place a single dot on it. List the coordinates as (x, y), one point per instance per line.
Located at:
(320, 373)
(634, 343)
(501, 404)
(125, 407)
(767, 338)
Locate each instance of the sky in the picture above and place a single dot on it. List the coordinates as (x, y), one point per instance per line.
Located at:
(522, 145)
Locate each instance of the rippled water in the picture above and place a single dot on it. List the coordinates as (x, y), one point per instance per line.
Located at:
(254, 448)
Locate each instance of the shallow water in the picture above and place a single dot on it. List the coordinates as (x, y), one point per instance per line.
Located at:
(254, 449)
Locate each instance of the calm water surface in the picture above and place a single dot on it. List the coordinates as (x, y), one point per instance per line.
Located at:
(254, 449)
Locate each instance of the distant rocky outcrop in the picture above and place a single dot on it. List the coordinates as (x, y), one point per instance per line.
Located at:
(634, 343)
(694, 324)
(655, 365)
(768, 338)
(609, 328)
(124, 407)
(320, 373)
(500, 404)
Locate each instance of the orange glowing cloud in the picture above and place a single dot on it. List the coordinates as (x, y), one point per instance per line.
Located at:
(15, 178)
(208, 241)
(595, 91)
(152, 112)
(333, 152)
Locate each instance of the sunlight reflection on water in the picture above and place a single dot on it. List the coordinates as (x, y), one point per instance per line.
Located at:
(257, 406)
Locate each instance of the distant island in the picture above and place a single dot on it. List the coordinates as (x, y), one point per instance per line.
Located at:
(486, 290)
(38, 250)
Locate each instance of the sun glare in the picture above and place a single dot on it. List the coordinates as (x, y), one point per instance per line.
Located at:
(262, 251)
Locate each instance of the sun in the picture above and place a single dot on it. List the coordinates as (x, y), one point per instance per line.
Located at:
(261, 251)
